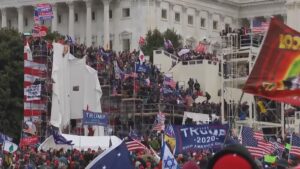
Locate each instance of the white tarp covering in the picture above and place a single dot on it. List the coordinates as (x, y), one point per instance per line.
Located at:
(60, 111)
(76, 88)
(80, 142)
(199, 118)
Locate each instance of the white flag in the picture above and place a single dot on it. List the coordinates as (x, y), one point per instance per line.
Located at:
(10, 146)
(168, 160)
(28, 52)
(141, 57)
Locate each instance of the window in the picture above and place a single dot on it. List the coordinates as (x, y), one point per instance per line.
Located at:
(177, 16)
(190, 20)
(76, 88)
(227, 27)
(126, 44)
(26, 21)
(9, 23)
(111, 44)
(202, 23)
(126, 12)
(110, 14)
(215, 25)
(164, 14)
(76, 17)
(59, 18)
(93, 16)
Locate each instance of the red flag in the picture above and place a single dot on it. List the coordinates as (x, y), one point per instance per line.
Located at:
(276, 73)
(142, 41)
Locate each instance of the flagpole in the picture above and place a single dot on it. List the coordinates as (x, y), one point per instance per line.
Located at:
(289, 156)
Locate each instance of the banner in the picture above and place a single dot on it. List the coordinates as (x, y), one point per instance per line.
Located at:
(94, 118)
(276, 73)
(33, 92)
(43, 11)
(199, 137)
(141, 68)
(29, 141)
(39, 30)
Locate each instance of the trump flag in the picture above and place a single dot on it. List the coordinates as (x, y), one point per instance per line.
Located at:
(276, 73)
(116, 156)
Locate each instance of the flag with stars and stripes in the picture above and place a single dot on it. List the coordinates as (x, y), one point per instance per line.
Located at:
(295, 149)
(257, 148)
(159, 123)
(133, 145)
(116, 156)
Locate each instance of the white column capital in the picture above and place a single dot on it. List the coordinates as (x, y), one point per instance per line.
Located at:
(88, 3)
(106, 2)
(53, 5)
(20, 8)
(3, 11)
(171, 5)
(70, 4)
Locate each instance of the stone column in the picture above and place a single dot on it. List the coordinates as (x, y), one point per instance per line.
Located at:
(4, 18)
(54, 20)
(88, 23)
(106, 23)
(71, 19)
(171, 14)
(251, 19)
(20, 19)
(293, 13)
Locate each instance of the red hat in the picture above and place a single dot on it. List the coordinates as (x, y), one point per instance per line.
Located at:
(190, 165)
(226, 162)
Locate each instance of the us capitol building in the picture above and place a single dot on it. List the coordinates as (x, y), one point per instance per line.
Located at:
(120, 23)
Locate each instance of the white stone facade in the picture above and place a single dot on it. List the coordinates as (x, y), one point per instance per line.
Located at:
(120, 23)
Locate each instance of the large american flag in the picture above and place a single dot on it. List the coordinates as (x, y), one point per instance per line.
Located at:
(33, 72)
(259, 26)
(257, 148)
(295, 149)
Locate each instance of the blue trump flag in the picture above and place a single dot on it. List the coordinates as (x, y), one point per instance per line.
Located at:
(199, 137)
(114, 157)
(94, 118)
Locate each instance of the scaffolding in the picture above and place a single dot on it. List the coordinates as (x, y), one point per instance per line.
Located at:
(239, 56)
(41, 54)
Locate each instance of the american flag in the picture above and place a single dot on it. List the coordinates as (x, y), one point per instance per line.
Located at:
(256, 147)
(258, 135)
(259, 26)
(295, 149)
(159, 123)
(33, 72)
(168, 81)
(133, 145)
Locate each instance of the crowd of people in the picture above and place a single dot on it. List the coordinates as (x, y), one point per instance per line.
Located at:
(28, 157)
